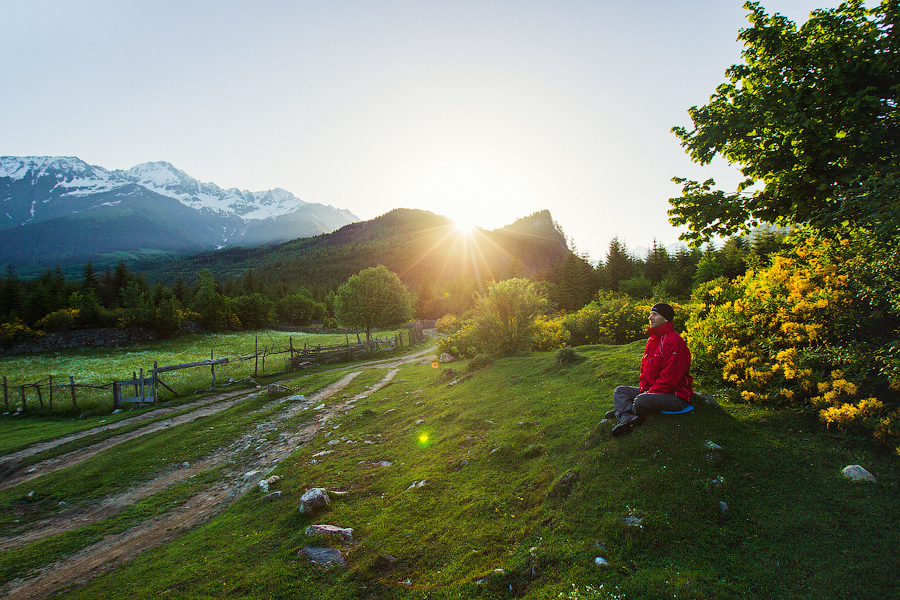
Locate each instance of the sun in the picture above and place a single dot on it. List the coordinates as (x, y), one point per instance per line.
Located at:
(463, 226)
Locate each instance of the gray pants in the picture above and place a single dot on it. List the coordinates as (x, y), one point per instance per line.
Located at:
(630, 402)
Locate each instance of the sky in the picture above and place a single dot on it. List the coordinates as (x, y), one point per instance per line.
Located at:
(483, 111)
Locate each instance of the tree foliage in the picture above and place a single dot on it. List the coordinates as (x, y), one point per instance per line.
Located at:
(503, 322)
(375, 297)
(811, 120)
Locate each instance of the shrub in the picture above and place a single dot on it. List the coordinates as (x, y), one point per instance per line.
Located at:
(568, 356)
(503, 321)
(449, 324)
(299, 309)
(549, 333)
(802, 332)
(584, 325)
(59, 320)
(15, 331)
(622, 321)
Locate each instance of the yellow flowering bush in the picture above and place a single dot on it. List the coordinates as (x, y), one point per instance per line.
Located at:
(549, 333)
(59, 320)
(16, 330)
(798, 332)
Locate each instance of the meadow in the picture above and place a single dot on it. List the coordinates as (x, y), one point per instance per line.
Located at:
(495, 480)
(94, 368)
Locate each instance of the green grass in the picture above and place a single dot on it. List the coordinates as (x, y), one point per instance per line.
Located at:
(101, 366)
(524, 488)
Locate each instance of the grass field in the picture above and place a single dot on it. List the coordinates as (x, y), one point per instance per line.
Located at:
(96, 368)
(504, 484)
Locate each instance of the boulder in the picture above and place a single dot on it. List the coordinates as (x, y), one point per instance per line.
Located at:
(327, 557)
(277, 388)
(313, 499)
(345, 533)
(857, 473)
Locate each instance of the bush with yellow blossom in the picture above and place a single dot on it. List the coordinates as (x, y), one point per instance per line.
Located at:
(800, 332)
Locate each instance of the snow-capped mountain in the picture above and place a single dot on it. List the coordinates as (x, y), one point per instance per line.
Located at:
(61, 209)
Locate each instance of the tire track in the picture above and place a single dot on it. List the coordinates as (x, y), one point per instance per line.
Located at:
(116, 549)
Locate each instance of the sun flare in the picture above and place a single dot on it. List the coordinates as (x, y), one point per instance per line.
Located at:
(464, 226)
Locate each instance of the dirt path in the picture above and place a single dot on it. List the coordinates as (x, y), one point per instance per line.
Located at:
(73, 458)
(116, 549)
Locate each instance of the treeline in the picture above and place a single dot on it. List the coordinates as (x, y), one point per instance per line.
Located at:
(118, 297)
(661, 274)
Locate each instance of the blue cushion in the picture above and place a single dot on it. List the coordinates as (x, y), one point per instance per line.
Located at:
(686, 409)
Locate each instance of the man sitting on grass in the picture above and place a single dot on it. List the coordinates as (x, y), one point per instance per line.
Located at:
(665, 382)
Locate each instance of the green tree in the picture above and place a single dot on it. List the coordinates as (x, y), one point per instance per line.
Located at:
(254, 311)
(658, 263)
(708, 268)
(504, 317)
(619, 265)
(136, 302)
(11, 291)
(636, 287)
(375, 297)
(299, 309)
(810, 118)
(213, 307)
(732, 257)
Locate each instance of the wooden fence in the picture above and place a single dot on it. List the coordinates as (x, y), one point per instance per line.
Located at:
(146, 385)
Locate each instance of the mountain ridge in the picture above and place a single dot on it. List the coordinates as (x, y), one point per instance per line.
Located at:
(83, 207)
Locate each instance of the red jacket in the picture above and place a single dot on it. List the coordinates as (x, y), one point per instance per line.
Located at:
(666, 363)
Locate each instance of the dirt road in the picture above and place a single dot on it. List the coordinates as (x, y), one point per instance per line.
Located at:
(242, 475)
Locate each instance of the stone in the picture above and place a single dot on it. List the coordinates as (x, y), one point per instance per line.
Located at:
(345, 533)
(601, 562)
(857, 473)
(271, 496)
(277, 388)
(326, 557)
(447, 358)
(712, 446)
(313, 499)
(264, 486)
(705, 398)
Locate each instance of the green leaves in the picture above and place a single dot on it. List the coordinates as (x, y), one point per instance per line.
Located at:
(811, 115)
(375, 297)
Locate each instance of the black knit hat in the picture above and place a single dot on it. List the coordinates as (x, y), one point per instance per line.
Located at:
(666, 311)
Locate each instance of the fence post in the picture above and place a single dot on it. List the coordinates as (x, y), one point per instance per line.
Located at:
(116, 402)
(155, 383)
(72, 384)
(5, 394)
(212, 368)
(23, 399)
(256, 356)
(50, 387)
(37, 386)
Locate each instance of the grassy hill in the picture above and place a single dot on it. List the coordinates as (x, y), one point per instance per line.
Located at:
(495, 482)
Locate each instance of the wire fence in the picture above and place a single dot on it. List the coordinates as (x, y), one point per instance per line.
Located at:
(64, 395)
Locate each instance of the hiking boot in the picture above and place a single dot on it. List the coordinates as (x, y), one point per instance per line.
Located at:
(626, 426)
(611, 414)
